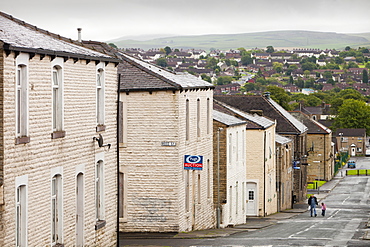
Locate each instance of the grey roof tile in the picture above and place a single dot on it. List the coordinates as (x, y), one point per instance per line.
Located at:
(227, 119)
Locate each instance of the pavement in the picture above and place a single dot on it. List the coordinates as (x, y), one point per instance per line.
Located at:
(252, 223)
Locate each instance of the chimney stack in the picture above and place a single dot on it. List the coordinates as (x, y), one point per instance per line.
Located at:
(79, 34)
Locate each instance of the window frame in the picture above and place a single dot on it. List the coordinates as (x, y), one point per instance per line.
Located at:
(21, 210)
(22, 99)
(56, 209)
(100, 94)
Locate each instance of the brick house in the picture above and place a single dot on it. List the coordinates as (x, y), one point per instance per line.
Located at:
(55, 176)
(260, 161)
(165, 117)
(229, 169)
(287, 126)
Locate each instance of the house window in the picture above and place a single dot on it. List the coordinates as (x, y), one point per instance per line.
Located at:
(199, 189)
(21, 211)
(208, 179)
(21, 101)
(230, 148)
(57, 99)
(187, 120)
(122, 195)
(198, 117)
(187, 190)
(208, 115)
(99, 182)
(100, 96)
(251, 195)
(56, 207)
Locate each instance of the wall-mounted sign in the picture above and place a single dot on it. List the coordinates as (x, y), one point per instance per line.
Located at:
(168, 144)
(193, 162)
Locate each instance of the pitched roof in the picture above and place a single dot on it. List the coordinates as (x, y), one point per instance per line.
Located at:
(351, 132)
(282, 139)
(254, 120)
(313, 126)
(227, 119)
(286, 123)
(19, 36)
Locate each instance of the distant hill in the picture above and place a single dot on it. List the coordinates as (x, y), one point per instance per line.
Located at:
(277, 39)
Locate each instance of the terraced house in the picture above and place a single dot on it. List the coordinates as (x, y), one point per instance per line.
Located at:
(166, 154)
(57, 140)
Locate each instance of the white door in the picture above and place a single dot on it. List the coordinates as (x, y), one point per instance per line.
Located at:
(353, 151)
(80, 211)
(251, 199)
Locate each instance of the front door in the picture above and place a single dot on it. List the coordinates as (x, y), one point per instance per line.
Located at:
(80, 210)
(251, 199)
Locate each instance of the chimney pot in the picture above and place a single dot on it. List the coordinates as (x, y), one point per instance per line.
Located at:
(79, 34)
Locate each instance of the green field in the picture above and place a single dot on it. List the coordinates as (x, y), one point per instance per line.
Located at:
(277, 39)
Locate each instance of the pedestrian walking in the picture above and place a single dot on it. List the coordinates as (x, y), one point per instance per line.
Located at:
(312, 202)
(323, 209)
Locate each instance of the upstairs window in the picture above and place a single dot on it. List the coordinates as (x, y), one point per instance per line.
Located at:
(187, 120)
(99, 191)
(57, 99)
(100, 96)
(21, 101)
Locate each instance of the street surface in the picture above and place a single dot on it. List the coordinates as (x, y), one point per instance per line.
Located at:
(347, 213)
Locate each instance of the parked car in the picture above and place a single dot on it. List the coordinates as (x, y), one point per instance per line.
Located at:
(351, 164)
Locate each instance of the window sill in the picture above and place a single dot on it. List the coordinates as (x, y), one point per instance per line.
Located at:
(22, 140)
(58, 134)
(100, 224)
(100, 128)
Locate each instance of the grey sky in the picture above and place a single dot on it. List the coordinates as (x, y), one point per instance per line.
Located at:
(110, 19)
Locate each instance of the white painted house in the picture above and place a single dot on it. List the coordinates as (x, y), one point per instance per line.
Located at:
(230, 179)
(57, 185)
(260, 163)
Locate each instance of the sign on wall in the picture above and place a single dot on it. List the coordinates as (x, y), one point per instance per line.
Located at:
(193, 162)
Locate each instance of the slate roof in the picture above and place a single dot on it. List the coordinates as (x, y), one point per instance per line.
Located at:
(313, 126)
(282, 139)
(254, 120)
(351, 132)
(138, 75)
(20, 36)
(227, 119)
(286, 123)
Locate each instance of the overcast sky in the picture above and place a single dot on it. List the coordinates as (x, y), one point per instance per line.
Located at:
(110, 19)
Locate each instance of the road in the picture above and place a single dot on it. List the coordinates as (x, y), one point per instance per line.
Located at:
(344, 224)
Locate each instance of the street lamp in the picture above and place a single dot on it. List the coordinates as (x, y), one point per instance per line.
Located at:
(218, 177)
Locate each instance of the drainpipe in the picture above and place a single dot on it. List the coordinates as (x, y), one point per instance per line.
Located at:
(118, 166)
(264, 175)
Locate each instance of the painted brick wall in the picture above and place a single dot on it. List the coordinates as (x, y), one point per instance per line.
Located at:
(77, 149)
(155, 174)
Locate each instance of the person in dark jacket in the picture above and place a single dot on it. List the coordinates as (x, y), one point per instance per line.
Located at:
(312, 201)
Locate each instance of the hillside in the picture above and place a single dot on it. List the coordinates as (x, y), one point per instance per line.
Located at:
(278, 39)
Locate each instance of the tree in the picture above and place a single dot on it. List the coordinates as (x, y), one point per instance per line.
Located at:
(365, 76)
(308, 66)
(280, 96)
(246, 59)
(270, 49)
(278, 67)
(223, 80)
(161, 62)
(347, 48)
(353, 114)
(206, 78)
(343, 95)
(113, 45)
(168, 50)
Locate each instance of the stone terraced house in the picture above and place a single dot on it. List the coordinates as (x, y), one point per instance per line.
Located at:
(57, 140)
(166, 152)
(229, 169)
(286, 125)
(260, 189)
